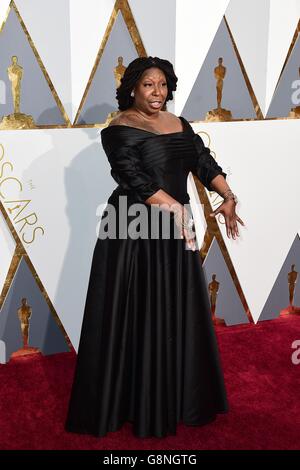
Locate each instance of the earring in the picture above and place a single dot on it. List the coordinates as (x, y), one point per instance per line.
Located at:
(132, 94)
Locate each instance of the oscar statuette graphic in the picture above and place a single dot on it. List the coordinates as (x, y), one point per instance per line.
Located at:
(118, 74)
(16, 120)
(213, 288)
(24, 314)
(219, 113)
(292, 280)
(119, 71)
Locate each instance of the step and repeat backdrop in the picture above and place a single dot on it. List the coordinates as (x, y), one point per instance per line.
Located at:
(238, 68)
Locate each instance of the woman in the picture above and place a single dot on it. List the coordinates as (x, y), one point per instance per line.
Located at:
(148, 352)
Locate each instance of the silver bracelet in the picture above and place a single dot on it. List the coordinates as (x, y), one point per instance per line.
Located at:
(228, 194)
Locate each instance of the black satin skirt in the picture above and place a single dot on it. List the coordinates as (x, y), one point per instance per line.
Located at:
(148, 352)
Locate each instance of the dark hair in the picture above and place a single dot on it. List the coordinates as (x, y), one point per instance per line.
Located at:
(135, 70)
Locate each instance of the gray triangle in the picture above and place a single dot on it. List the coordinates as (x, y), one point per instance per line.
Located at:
(36, 97)
(228, 305)
(44, 332)
(286, 95)
(101, 98)
(203, 96)
(278, 299)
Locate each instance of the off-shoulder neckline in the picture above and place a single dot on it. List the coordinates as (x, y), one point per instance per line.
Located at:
(150, 132)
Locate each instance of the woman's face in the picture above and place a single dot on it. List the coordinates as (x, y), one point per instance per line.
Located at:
(151, 91)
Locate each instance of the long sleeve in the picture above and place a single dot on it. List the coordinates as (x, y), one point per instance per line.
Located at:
(206, 167)
(127, 171)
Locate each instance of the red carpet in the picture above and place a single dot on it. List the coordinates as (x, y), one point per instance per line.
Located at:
(262, 382)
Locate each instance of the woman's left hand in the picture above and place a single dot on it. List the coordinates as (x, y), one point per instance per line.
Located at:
(227, 208)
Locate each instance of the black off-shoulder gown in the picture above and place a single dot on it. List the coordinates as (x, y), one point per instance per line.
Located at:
(148, 352)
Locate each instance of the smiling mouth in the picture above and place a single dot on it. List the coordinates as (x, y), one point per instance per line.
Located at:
(155, 103)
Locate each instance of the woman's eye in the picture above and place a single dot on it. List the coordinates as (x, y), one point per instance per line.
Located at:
(150, 84)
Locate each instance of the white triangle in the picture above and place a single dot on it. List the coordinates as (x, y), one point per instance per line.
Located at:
(48, 26)
(89, 20)
(249, 24)
(4, 6)
(196, 26)
(67, 35)
(197, 210)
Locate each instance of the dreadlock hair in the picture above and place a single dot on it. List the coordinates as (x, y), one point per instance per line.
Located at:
(133, 73)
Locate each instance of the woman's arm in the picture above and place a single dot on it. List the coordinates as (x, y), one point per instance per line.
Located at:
(227, 208)
(180, 212)
(213, 178)
(219, 184)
